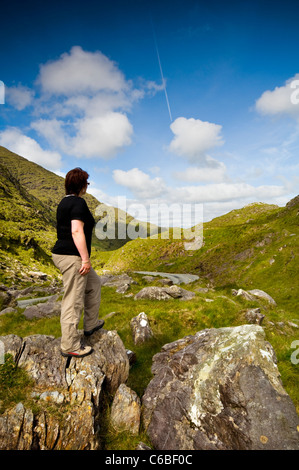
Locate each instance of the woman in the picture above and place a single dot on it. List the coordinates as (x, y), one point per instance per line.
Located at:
(71, 255)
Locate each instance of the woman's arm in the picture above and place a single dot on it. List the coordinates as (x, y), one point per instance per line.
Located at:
(80, 242)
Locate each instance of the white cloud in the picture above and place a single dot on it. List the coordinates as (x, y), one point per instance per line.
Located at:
(89, 119)
(215, 174)
(140, 183)
(52, 130)
(101, 136)
(154, 196)
(98, 136)
(281, 100)
(27, 147)
(193, 138)
(19, 96)
(80, 72)
(143, 187)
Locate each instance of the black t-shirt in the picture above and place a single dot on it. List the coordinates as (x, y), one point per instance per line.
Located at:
(72, 208)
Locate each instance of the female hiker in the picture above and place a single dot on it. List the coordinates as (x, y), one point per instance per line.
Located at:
(71, 255)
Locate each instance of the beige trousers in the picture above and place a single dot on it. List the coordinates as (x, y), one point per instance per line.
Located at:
(80, 292)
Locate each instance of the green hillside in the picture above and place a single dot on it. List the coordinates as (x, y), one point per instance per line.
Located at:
(250, 247)
(29, 195)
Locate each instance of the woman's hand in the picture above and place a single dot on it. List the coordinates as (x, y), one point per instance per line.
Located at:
(85, 267)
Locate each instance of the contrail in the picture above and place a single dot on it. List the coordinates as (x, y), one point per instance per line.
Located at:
(161, 71)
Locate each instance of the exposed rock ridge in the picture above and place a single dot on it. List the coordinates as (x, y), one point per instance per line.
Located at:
(74, 387)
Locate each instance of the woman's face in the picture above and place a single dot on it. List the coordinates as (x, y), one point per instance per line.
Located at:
(83, 191)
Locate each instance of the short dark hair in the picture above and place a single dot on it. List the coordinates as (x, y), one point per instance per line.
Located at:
(75, 181)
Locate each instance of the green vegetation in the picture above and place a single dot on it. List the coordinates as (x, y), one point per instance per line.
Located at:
(251, 248)
(15, 384)
(171, 320)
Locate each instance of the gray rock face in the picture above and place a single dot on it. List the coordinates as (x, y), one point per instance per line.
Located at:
(75, 386)
(164, 293)
(219, 389)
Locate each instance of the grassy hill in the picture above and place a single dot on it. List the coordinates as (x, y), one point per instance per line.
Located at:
(255, 245)
(29, 195)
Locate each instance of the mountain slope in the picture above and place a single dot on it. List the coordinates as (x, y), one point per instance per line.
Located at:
(250, 247)
(29, 195)
(44, 185)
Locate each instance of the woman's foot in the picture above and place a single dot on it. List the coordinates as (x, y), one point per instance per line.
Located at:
(96, 328)
(82, 352)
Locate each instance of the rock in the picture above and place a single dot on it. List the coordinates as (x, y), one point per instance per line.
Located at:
(123, 288)
(166, 282)
(253, 295)
(152, 293)
(126, 410)
(16, 429)
(195, 244)
(164, 293)
(6, 298)
(149, 278)
(111, 356)
(54, 397)
(73, 386)
(121, 282)
(219, 390)
(131, 356)
(43, 309)
(7, 310)
(245, 294)
(38, 275)
(263, 295)
(140, 328)
(254, 315)
(142, 446)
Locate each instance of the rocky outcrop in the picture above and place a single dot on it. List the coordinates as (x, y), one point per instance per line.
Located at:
(219, 389)
(74, 387)
(164, 293)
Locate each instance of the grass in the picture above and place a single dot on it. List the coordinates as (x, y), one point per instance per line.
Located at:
(15, 384)
(171, 320)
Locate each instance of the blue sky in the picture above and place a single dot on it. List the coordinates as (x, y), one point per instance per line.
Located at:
(83, 87)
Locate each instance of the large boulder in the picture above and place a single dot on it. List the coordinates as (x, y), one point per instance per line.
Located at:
(74, 387)
(219, 389)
